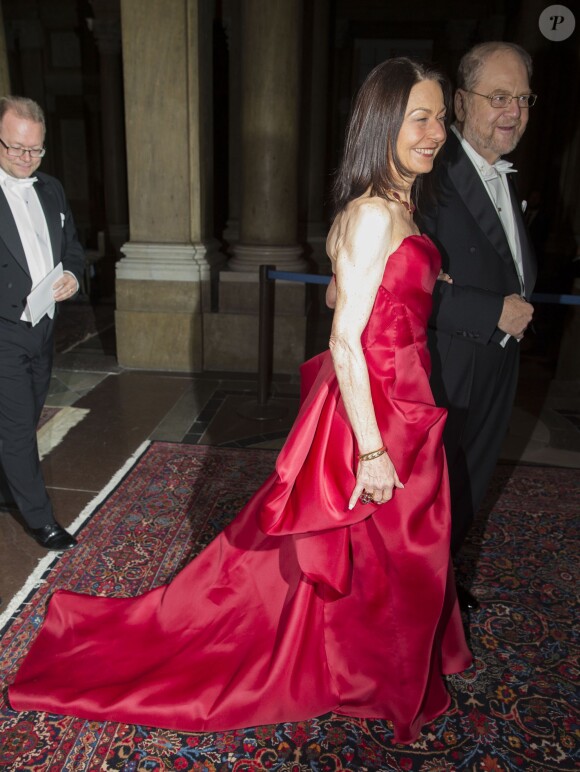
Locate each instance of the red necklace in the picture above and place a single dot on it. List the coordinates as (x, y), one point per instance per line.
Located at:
(409, 206)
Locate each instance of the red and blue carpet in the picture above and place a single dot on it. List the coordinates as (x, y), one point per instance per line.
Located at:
(514, 710)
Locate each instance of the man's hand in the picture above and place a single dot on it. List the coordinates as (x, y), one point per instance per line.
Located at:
(515, 316)
(65, 287)
(444, 277)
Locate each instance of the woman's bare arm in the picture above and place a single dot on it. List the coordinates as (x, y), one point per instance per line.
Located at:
(362, 248)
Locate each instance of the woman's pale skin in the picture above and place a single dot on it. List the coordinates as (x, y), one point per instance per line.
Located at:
(362, 237)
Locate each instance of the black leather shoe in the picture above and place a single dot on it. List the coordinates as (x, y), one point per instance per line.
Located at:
(467, 601)
(53, 537)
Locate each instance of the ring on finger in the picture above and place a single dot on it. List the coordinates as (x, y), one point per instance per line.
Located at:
(365, 497)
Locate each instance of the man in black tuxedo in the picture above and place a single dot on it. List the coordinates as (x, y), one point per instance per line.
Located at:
(37, 234)
(479, 320)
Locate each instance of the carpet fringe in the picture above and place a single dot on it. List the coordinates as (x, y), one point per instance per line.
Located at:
(35, 580)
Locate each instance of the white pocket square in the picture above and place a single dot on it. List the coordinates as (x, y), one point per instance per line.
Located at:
(61, 220)
(524, 206)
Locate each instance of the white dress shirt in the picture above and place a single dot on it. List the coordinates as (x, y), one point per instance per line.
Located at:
(32, 228)
(494, 178)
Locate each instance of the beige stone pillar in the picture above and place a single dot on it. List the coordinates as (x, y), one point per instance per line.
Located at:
(162, 283)
(270, 135)
(268, 207)
(4, 73)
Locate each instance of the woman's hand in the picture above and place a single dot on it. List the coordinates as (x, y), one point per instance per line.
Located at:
(444, 277)
(378, 477)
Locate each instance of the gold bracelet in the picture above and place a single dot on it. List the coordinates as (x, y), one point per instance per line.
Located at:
(372, 454)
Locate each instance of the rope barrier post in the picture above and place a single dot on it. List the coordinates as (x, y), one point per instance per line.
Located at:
(263, 409)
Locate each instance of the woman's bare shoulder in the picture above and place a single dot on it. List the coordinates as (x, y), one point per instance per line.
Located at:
(368, 220)
(367, 207)
(368, 212)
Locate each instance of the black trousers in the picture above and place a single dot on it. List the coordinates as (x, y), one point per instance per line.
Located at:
(477, 385)
(26, 355)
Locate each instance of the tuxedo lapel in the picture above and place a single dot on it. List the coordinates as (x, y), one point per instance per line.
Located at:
(471, 189)
(52, 216)
(527, 249)
(9, 234)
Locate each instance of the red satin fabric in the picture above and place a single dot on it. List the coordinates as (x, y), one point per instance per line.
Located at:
(300, 606)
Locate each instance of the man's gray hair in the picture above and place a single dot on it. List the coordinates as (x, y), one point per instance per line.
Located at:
(472, 62)
(23, 108)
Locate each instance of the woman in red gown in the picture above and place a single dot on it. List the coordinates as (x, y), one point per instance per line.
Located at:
(332, 588)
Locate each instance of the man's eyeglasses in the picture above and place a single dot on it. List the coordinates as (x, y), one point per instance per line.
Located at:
(503, 100)
(18, 152)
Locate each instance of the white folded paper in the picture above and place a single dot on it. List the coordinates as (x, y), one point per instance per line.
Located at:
(41, 299)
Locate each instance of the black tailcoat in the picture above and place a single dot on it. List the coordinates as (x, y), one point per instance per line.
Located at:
(473, 376)
(25, 351)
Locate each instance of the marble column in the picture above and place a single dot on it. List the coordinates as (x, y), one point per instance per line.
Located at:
(107, 32)
(268, 188)
(270, 135)
(163, 282)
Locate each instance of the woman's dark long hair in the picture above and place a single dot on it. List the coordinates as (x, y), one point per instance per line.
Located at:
(370, 156)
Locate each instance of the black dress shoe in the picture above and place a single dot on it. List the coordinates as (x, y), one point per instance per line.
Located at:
(467, 601)
(53, 537)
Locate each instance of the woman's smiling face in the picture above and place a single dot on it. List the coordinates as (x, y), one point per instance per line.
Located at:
(422, 132)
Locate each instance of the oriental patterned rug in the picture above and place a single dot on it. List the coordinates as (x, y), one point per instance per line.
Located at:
(514, 710)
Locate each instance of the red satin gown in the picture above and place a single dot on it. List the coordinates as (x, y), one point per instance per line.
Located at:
(300, 606)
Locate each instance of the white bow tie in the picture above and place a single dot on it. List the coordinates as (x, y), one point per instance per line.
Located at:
(15, 183)
(499, 167)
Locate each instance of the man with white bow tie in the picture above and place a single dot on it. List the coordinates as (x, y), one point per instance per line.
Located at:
(37, 236)
(480, 318)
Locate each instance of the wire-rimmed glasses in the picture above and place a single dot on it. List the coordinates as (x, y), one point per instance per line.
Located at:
(503, 100)
(18, 152)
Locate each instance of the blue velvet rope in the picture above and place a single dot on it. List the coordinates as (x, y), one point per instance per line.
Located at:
(561, 300)
(304, 278)
(314, 278)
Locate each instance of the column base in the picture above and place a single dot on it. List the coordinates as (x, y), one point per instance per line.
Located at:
(169, 262)
(249, 257)
(159, 325)
(161, 292)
